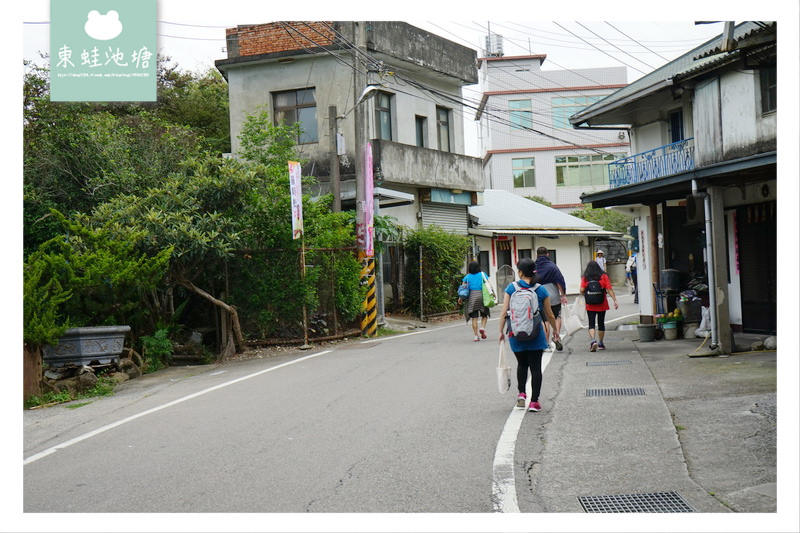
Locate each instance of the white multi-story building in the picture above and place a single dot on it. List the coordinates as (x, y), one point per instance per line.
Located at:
(528, 144)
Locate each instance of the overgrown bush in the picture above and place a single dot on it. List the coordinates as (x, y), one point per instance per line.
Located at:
(85, 278)
(157, 350)
(443, 259)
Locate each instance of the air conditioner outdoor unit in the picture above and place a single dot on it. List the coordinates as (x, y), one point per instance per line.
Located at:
(695, 210)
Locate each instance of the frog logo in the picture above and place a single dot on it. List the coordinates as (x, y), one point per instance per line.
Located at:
(103, 27)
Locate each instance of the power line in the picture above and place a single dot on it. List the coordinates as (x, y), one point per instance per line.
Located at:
(637, 42)
(598, 49)
(447, 97)
(615, 46)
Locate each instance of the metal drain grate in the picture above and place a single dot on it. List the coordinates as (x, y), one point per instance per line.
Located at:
(630, 391)
(604, 363)
(653, 502)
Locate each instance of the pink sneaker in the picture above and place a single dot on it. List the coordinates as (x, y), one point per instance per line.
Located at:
(521, 400)
(534, 406)
(483, 333)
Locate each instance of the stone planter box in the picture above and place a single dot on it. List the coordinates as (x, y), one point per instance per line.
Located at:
(82, 346)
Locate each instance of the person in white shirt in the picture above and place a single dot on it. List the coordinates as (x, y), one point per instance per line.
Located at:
(601, 259)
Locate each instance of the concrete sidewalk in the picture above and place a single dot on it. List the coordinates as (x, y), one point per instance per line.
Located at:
(642, 426)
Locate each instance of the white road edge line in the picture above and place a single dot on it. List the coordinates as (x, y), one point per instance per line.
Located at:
(118, 423)
(504, 486)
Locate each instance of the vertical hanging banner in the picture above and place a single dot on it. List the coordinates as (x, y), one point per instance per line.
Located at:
(103, 51)
(295, 186)
(369, 206)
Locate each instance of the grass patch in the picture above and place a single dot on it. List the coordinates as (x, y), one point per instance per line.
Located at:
(384, 332)
(680, 428)
(103, 387)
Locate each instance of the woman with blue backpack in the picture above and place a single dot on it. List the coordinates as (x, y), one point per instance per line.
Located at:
(594, 286)
(525, 303)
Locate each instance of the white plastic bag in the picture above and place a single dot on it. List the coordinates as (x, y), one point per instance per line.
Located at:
(579, 309)
(503, 370)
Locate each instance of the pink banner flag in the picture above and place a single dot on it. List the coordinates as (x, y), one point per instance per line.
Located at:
(369, 206)
(295, 186)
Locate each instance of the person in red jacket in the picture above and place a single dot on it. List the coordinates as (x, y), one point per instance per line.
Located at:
(597, 311)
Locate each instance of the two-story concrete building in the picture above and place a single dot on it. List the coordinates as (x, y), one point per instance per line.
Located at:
(387, 84)
(703, 181)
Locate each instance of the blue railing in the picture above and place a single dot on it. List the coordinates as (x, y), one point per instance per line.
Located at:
(664, 161)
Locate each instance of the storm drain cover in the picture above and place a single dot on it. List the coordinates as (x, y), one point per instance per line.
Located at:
(605, 363)
(652, 502)
(618, 391)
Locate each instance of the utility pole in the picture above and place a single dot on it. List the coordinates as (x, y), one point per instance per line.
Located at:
(369, 316)
(334, 160)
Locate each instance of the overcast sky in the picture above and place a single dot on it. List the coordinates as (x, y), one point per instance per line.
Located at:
(193, 33)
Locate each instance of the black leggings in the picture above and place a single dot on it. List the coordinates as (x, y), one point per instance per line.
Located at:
(529, 359)
(601, 319)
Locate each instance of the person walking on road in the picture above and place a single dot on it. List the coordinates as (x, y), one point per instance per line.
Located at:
(601, 259)
(549, 275)
(474, 307)
(594, 286)
(630, 267)
(528, 352)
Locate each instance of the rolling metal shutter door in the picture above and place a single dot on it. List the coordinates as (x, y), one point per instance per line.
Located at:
(451, 218)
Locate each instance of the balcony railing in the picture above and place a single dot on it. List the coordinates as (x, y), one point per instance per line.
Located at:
(664, 161)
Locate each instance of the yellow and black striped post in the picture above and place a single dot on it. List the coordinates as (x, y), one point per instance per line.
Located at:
(369, 320)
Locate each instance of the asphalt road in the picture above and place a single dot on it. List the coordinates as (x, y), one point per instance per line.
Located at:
(403, 424)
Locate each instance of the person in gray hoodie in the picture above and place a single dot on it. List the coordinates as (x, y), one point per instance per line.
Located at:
(549, 275)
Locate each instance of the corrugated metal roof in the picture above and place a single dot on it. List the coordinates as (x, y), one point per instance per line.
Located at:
(506, 210)
(741, 32)
(703, 57)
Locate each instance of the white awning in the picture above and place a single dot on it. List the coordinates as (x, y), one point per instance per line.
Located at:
(485, 232)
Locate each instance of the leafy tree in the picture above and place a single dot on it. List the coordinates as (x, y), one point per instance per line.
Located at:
(87, 277)
(78, 155)
(609, 219)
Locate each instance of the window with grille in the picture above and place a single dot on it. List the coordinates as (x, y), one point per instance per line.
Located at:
(769, 89)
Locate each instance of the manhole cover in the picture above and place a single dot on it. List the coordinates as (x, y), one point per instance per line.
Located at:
(605, 363)
(618, 391)
(653, 502)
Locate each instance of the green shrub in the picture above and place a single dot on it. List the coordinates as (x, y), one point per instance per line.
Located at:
(157, 350)
(443, 259)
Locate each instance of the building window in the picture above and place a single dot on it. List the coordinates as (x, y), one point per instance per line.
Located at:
(524, 174)
(676, 125)
(565, 107)
(421, 124)
(383, 110)
(443, 128)
(769, 89)
(523, 253)
(300, 106)
(520, 114)
(584, 170)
